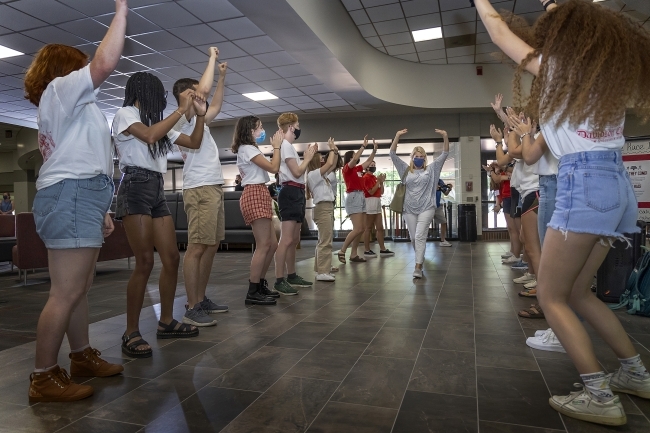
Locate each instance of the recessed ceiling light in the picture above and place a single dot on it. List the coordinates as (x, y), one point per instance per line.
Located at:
(8, 52)
(427, 34)
(260, 96)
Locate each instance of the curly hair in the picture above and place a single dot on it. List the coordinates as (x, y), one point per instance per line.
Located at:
(51, 61)
(285, 120)
(243, 134)
(595, 65)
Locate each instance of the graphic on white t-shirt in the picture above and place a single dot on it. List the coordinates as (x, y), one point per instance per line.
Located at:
(46, 144)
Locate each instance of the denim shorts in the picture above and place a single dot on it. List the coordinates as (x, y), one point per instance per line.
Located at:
(291, 201)
(141, 192)
(547, 191)
(355, 202)
(70, 214)
(594, 195)
(505, 205)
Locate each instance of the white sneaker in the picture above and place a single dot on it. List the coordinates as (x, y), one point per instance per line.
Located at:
(531, 285)
(445, 244)
(417, 273)
(623, 382)
(581, 405)
(510, 260)
(506, 255)
(325, 277)
(541, 332)
(545, 341)
(526, 278)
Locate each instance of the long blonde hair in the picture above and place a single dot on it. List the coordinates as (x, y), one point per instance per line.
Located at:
(417, 149)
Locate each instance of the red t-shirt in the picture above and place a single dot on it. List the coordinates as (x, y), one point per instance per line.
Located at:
(504, 189)
(352, 178)
(369, 181)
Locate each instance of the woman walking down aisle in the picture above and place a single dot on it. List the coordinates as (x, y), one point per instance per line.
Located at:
(581, 110)
(291, 201)
(355, 201)
(75, 189)
(373, 189)
(421, 182)
(256, 202)
(319, 187)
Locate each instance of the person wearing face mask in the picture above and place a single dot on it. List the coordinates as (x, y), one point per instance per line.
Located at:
(238, 184)
(256, 202)
(421, 182)
(373, 189)
(6, 206)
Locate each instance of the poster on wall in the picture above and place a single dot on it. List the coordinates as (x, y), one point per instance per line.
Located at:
(636, 159)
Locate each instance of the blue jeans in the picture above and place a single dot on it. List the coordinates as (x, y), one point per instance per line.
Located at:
(70, 214)
(547, 191)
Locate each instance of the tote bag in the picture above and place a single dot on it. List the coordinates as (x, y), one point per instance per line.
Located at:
(397, 204)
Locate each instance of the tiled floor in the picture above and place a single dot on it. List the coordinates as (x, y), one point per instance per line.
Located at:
(373, 352)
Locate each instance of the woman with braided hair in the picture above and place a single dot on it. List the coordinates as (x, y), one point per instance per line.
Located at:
(590, 65)
(142, 140)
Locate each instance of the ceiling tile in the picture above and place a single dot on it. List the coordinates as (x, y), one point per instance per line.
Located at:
(154, 60)
(168, 15)
(375, 41)
(238, 113)
(234, 99)
(227, 107)
(285, 108)
(483, 38)
(227, 50)
(290, 71)
(211, 10)
(461, 51)
(139, 3)
(334, 103)
(446, 5)
(393, 26)
(397, 39)
(127, 66)
(119, 80)
(178, 72)
(432, 55)
(459, 16)
(409, 57)
(135, 24)
(309, 106)
(24, 61)
(237, 28)
(401, 49)
(305, 80)
(258, 45)
(187, 55)
(352, 4)
(275, 84)
(244, 64)
(459, 29)
(16, 20)
(487, 48)
(299, 100)
(436, 44)
(4, 31)
(367, 30)
(50, 11)
(280, 58)
(10, 95)
(419, 7)
(197, 34)
(525, 7)
(13, 82)
(273, 102)
(91, 8)
(287, 93)
(133, 48)
(506, 5)
(424, 21)
(531, 17)
(223, 116)
(360, 17)
(436, 62)
(21, 43)
(160, 41)
(260, 75)
(118, 93)
(460, 60)
(54, 35)
(372, 3)
(234, 78)
(313, 90)
(249, 105)
(385, 13)
(325, 97)
(87, 29)
(487, 58)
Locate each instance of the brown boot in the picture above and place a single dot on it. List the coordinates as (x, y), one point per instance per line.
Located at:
(56, 385)
(89, 364)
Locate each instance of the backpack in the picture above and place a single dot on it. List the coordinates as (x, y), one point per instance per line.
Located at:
(637, 290)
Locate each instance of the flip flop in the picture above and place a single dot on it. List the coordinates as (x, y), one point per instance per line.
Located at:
(341, 256)
(534, 312)
(530, 293)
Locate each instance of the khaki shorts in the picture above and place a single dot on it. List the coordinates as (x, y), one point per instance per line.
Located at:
(205, 214)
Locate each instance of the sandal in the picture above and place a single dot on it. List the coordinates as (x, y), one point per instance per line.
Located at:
(341, 255)
(534, 312)
(334, 269)
(131, 349)
(530, 293)
(172, 331)
(357, 259)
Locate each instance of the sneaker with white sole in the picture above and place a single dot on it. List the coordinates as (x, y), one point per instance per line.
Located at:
(531, 285)
(526, 278)
(623, 382)
(417, 273)
(581, 405)
(546, 341)
(325, 277)
(521, 265)
(507, 255)
(510, 260)
(445, 244)
(197, 316)
(386, 253)
(210, 307)
(370, 253)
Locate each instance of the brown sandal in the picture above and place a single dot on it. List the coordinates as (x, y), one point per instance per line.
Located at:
(357, 259)
(530, 293)
(341, 256)
(534, 312)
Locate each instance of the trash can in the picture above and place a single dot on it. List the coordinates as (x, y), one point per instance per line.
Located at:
(467, 223)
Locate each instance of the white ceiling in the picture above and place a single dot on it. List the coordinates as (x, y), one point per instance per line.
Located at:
(169, 39)
(387, 26)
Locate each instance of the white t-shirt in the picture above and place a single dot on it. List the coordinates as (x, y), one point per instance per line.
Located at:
(287, 151)
(516, 174)
(547, 164)
(320, 187)
(132, 151)
(528, 180)
(251, 173)
(564, 139)
(334, 182)
(73, 134)
(202, 165)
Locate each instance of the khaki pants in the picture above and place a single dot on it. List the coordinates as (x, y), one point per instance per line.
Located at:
(324, 219)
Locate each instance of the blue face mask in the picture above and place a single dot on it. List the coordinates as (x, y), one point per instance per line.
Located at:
(261, 138)
(418, 162)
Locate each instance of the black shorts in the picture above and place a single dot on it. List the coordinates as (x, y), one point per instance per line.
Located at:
(141, 192)
(505, 205)
(531, 203)
(515, 210)
(291, 201)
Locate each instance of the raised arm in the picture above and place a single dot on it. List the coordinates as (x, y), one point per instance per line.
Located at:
(372, 155)
(194, 140)
(503, 37)
(502, 157)
(299, 170)
(496, 106)
(445, 138)
(153, 133)
(110, 49)
(531, 150)
(332, 156)
(393, 147)
(272, 166)
(355, 159)
(205, 84)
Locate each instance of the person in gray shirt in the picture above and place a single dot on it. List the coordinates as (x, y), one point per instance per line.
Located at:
(421, 182)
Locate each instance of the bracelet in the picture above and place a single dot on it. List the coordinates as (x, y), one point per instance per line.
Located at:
(200, 116)
(178, 112)
(525, 134)
(548, 3)
(276, 148)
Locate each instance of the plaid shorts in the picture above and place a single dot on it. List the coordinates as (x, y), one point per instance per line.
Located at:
(256, 203)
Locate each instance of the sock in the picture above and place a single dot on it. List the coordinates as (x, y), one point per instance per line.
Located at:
(634, 367)
(597, 384)
(289, 276)
(43, 370)
(80, 350)
(253, 288)
(279, 280)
